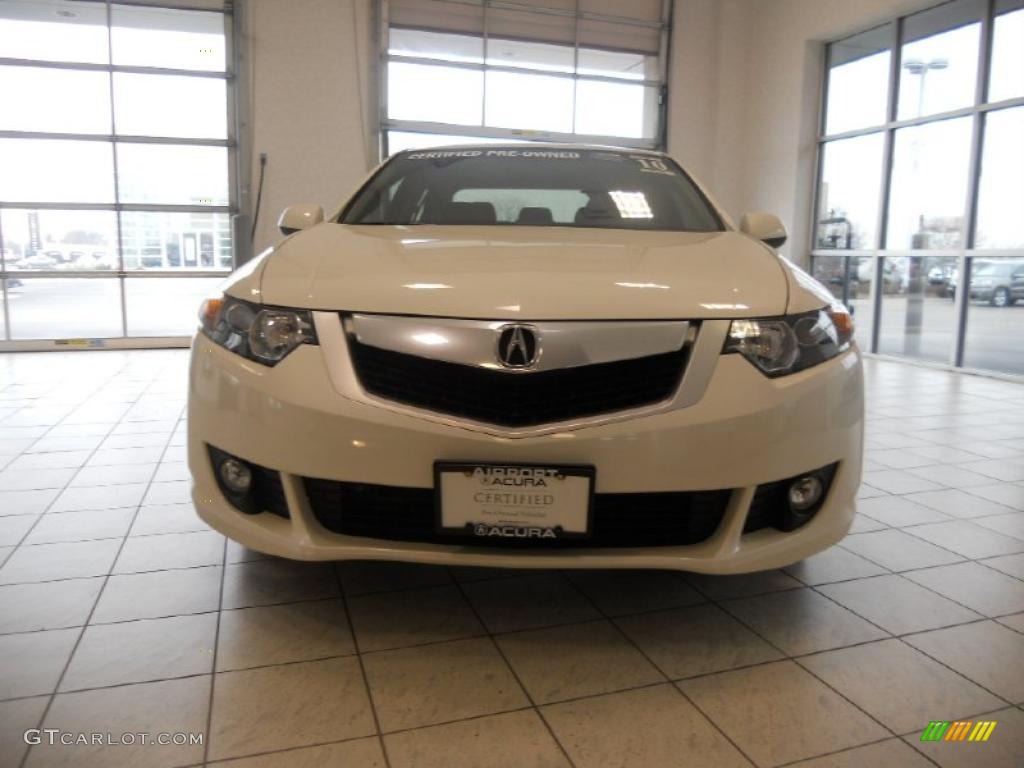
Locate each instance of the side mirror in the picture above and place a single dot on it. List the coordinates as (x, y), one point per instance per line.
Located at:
(765, 227)
(296, 217)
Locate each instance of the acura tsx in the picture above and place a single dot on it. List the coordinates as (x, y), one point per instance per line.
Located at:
(529, 356)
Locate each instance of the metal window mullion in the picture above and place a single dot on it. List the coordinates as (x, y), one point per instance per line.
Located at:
(664, 49)
(473, 66)
(3, 282)
(888, 149)
(170, 6)
(484, 84)
(819, 164)
(109, 137)
(117, 181)
(239, 118)
(159, 274)
(575, 62)
(110, 274)
(994, 106)
(978, 128)
(234, 156)
(126, 207)
(474, 131)
(541, 10)
(965, 260)
(968, 111)
(383, 54)
(825, 85)
(894, 252)
(855, 252)
(819, 172)
(86, 66)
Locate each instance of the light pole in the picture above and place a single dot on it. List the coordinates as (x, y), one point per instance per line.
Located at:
(913, 325)
(921, 68)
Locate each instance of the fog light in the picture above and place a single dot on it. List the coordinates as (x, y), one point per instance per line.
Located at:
(805, 492)
(235, 475)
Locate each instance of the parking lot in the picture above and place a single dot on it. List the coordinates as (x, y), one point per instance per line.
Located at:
(47, 308)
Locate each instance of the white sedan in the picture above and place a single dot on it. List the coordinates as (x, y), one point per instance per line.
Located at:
(527, 356)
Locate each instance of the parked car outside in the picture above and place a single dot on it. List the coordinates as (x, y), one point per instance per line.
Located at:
(999, 282)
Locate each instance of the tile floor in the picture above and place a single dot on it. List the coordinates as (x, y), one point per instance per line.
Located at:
(121, 612)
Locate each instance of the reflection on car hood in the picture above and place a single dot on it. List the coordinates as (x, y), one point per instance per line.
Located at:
(524, 272)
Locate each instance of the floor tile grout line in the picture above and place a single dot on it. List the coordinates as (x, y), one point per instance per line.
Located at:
(282, 751)
(629, 614)
(668, 679)
(362, 665)
(846, 750)
(901, 637)
(625, 636)
(981, 562)
(92, 610)
(981, 528)
(789, 658)
(470, 719)
(66, 485)
(901, 574)
(216, 647)
(889, 571)
(950, 517)
(61, 489)
(956, 672)
(101, 575)
(515, 675)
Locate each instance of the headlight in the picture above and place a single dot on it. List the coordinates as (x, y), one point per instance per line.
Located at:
(263, 334)
(782, 345)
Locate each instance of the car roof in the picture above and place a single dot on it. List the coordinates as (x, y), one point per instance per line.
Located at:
(531, 145)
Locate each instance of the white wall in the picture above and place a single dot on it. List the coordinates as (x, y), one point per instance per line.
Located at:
(706, 91)
(305, 98)
(745, 82)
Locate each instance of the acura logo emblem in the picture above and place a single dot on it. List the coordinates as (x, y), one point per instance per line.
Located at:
(518, 346)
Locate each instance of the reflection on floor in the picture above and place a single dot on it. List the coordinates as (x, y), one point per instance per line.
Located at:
(121, 613)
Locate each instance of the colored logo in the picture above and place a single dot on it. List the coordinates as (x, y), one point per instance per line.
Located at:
(958, 730)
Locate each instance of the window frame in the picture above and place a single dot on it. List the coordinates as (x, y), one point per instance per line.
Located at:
(660, 84)
(977, 111)
(113, 139)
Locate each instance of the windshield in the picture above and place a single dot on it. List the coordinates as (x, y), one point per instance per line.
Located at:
(533, 187)
(995, 269)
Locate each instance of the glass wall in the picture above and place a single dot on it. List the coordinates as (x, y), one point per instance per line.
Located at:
(115, 167)
(921, 180)
(477, 71)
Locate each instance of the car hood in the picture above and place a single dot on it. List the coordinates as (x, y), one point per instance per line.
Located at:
(541, 273)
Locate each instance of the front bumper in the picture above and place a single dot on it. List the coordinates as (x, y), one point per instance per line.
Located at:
(744, 430)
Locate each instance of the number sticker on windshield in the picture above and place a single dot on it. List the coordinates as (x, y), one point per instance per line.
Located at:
(652, 164)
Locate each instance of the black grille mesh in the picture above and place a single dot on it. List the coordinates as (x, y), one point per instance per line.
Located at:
(517, 399)
(620, 519)
(269, 491)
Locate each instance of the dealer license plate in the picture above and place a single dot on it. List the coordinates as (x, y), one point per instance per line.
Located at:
(513, 501)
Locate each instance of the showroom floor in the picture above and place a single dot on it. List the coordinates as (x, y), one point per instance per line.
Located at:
(117, 603)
